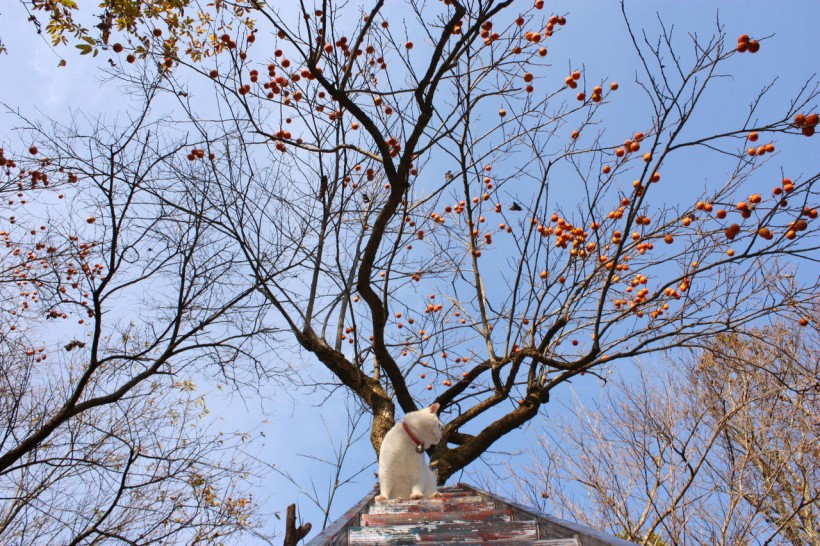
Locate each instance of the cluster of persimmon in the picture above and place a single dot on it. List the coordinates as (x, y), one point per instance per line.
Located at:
(631, 145)
(807, 123)
(344, 47)
(786, 186)
(566, 233)
(486, 33)
(641, 297)
(349, 331)
(571, 81)
(706, 207)
(484, 197)
(644, 246)
(670, 292)
(597, 94)
(38, 353)
(458, 208)
(197, 153)
(810, 212)
(744, 44)
(433, 308)
(225, 41)
(618, 213)
(759, 150)
(795, 226)
(732, 231)
(618, 303)
(746, 207)
(765, 233)
(659, 311)
(395, 147)
(555, 20)
(437, 218)
(7, 163)
(281, 133)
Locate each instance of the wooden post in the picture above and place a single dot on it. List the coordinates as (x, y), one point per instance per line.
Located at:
(294, 534)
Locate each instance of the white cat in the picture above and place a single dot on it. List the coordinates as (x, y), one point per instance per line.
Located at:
(403, 469)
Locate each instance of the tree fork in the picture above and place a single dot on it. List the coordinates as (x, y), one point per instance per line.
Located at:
(449, 461)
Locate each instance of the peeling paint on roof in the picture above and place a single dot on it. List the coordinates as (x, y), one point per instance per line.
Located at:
(462, 515)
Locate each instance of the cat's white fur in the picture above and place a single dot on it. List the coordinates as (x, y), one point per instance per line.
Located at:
(403, 472)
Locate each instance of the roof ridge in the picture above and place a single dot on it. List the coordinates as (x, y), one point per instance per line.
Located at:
(462, 514)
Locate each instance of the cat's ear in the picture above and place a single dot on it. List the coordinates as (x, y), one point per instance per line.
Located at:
(434, 408)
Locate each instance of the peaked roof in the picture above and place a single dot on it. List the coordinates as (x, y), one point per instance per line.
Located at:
(463, 515)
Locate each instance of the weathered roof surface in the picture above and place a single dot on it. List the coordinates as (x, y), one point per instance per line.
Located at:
(463, 515)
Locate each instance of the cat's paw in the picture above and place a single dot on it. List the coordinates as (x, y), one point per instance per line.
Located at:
(416, 495)
(435, 495)
(380, 498)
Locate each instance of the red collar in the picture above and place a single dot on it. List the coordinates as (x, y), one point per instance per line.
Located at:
(419, 445)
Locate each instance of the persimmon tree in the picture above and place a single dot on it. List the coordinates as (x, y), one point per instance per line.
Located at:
(437, 214)
(112, 303)
(720, 448)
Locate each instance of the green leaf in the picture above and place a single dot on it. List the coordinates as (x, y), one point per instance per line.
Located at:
(71, 4)
(89, 40)
(85, 49)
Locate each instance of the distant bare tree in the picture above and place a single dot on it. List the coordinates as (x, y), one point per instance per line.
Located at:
(717, 450)
(342, 471)
(112, 304)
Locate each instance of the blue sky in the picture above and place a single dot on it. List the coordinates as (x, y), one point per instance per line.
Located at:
(296, 424)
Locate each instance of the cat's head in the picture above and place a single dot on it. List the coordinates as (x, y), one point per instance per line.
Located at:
(426, 425)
